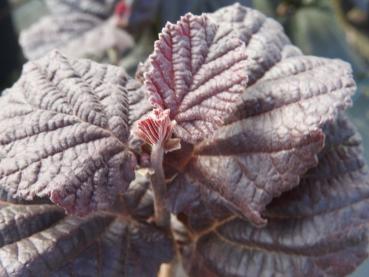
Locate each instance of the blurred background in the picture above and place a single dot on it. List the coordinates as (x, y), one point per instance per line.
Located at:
(123, 32)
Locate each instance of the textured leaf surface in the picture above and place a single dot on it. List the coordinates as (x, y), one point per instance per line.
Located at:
(74, 34)
(275, 133)
(196, 71)
(319, 228)
(99, 8)
(63, 134)
(40, 239)
(139, 106)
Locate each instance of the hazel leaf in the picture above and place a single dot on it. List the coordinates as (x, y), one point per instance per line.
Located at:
(275, 132)
(64, 128)
(40, 239)
(317, 229)
(197, 72)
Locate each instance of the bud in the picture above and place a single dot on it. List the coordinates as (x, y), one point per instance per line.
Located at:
(157, 128)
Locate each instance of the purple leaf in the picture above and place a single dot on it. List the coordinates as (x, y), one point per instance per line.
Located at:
(197, 72)
(63, 134)
(274, 134)
(40, 239)
(139, 106)
(317, 229)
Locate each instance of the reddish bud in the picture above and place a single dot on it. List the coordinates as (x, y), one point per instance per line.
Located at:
(157, 128)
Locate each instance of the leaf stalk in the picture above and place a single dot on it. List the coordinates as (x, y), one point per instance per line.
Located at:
(162, 215)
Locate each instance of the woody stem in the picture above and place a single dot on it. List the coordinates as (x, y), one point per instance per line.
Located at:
(162, 215)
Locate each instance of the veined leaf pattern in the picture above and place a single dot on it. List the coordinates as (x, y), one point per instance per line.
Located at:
(64, 128)
(274, 135)
(40, 239)
(196, 71)
(320, 228)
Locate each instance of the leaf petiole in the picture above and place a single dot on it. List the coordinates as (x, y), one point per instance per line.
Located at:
(162, 215)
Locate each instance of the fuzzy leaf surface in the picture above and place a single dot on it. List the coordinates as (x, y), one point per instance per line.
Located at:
(274, 135)
(320, 228)
(63, 134)
(197, 72)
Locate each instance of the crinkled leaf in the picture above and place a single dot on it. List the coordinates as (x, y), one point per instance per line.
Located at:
(74, 34)
(99, 8)
(196, 71)
(319, 228)
(63, 134)
(139, 106)
(275, 133)
(40, 239)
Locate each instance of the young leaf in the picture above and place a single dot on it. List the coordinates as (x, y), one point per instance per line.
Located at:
(197, 72)
(40, 239)
(318, 229)
(63, 134)
(274, 135)
(156, 129)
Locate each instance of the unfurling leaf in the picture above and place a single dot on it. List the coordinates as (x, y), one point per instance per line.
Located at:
(41, 240)
(320, 228)
(197, 71)
(63, 134)
(274, 134)
(157, 128)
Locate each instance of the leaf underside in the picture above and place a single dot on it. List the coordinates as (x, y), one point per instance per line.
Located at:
(274, 134)
(63, 134)
(317, 229)
(196, 71)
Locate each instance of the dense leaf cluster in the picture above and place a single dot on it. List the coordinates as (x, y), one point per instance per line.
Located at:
(269, 179)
